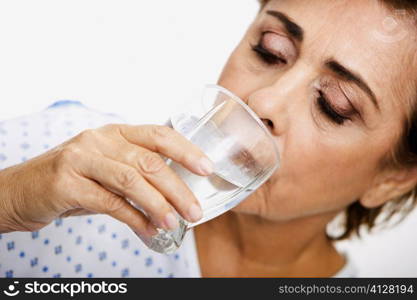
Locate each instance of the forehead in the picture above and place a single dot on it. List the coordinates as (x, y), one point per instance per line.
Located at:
(364, 36)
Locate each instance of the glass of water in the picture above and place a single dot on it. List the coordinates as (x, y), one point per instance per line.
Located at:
(241, 148)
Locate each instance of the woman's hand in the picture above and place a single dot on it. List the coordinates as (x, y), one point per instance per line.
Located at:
(96, 171)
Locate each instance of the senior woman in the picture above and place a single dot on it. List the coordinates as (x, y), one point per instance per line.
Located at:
(337, 90)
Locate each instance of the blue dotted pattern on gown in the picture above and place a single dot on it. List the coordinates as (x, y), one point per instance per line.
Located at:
(85, 246)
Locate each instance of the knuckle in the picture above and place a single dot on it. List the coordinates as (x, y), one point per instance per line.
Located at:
(112, 203)
(151, 162)
(163, 133)
(66, 156)
(127, 178)
(156, 206)
(157, 210)
(87, 135)
(110, 128)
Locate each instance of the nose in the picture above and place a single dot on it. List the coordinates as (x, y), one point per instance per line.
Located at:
(271, 105)
(269, 124)
(279, 100)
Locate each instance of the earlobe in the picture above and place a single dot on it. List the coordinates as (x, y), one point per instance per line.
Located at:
(377, 195)
(390, 187)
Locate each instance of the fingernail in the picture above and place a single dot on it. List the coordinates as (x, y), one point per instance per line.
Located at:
(206, 166)
(195, 213)
(170, 221)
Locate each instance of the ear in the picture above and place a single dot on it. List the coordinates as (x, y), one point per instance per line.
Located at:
(389, 185)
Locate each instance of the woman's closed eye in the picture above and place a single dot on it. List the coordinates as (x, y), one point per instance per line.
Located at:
(266, 56)
(335, 115)
(274, 49)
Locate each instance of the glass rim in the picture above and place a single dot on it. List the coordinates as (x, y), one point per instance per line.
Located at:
(251, 113)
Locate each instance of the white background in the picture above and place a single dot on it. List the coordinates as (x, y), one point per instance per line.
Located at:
(141, 59)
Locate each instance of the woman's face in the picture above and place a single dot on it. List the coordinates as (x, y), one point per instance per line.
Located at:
(332, 80)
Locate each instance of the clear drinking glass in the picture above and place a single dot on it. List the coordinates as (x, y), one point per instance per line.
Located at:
(240, 146)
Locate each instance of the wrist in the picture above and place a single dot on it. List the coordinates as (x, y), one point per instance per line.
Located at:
(4, 202)
(9, 193)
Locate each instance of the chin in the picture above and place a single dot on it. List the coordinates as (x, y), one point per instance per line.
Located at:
(278, 210)
(253, 205)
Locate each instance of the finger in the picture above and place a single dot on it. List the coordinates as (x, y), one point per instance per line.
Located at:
(170, 143)
(100, 200)
(154, 169)
(127, 181)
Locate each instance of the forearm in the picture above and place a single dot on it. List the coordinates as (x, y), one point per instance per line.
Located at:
(22, 192)
(6, 205)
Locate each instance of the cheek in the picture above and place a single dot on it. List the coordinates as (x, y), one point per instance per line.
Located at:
(317, 175)
(338, 168)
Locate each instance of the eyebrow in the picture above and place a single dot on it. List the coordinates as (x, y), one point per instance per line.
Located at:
(294, 30)
(291, 27)
(350, 76)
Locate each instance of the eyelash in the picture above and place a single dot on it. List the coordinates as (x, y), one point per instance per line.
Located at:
(267, 56)
(323, 104)
(327, 109)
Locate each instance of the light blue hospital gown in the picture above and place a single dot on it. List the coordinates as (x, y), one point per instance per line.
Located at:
(87, 246)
